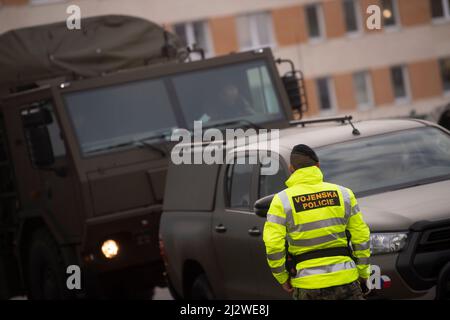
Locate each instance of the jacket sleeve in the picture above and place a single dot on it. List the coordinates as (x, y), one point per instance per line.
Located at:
(360, 238)
(274, 237)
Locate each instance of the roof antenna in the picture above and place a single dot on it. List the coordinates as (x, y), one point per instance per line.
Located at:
(355, 131)
(168, 50)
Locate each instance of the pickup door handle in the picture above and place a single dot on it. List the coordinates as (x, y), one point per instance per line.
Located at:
(254, 232)
(221, 228)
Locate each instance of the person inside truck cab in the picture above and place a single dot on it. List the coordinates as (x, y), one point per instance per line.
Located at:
(229, 103)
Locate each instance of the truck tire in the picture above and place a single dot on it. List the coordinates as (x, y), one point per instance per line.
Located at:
(201, 290)
(9, 277)
(46, 272)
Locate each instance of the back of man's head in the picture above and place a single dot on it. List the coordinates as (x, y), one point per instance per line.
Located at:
(303, 156)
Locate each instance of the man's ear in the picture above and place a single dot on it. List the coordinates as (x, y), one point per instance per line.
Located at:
(291, 168)
(318, 165)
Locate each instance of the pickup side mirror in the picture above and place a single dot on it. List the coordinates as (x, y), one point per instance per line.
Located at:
(40, 146)
(262, 206)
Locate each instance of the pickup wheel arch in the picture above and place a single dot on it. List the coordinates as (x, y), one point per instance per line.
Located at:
(194, 276)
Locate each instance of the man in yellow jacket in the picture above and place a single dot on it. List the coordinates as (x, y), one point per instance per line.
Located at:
(316, 221)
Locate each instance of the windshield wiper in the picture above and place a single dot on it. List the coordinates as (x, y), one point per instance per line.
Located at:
(249, 124)
(144, 142)
(113, 146)
(140, 142)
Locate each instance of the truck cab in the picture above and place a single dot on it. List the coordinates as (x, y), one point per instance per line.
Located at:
(86, 152)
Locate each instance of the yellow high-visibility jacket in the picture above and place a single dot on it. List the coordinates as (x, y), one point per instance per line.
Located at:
(311, 215)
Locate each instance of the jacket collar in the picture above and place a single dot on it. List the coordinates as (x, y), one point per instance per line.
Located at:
(308, 175)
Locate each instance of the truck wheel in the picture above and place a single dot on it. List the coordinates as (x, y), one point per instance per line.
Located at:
(201, 289)
(46, 272)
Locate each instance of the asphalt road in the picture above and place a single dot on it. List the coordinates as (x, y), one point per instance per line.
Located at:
(160, 294)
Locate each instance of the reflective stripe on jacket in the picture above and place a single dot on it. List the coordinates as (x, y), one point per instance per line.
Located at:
(311, 215)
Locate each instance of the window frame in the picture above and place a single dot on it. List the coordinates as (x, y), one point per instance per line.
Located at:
(254, 33)
(369, 88)
(191, 39)
(396, 14)
(446, 11)
(228, 182)
(359, 19)
(331, 93)
(405, 75)
(321, 23)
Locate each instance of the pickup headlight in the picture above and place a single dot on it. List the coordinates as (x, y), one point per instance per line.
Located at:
(387, 242)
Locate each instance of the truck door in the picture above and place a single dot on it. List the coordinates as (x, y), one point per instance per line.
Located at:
(234, 230)
(45, 176)
(269, 288)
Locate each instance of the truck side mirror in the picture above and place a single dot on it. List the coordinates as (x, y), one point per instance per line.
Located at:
(36, 118)
(40, 146)
(262, 206)
(292, 86)
(294, 83)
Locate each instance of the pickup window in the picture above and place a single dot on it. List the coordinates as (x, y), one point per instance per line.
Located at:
(272, 184)
(239, 181)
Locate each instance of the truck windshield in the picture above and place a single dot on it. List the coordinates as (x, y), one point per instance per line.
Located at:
(117, 116)
(388, 162)
(241, 91)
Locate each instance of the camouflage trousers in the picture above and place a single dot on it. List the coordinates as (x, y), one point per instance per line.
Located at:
(351, 291)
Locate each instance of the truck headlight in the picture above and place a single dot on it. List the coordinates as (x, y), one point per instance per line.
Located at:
(387, 242)
(110, 249)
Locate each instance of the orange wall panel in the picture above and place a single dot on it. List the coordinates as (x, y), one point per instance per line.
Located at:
(224, 34)
(289, 25)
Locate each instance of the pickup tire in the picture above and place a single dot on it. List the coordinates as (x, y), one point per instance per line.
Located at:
(201, 290)
(46, 271)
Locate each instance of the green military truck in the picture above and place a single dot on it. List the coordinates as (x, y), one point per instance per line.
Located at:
(86, 118)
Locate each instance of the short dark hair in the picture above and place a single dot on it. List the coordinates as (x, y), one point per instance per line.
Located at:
(303, 156)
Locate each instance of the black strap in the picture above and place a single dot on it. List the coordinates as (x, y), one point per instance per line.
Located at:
(323, 253)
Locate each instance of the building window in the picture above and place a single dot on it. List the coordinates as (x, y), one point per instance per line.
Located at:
(362, 85)
(440, 9)
(315, 21)
(400, 83)
(352, 16)
(255, 31)
(195, 33)
(325, 94)
(390, 13)
(445, 72)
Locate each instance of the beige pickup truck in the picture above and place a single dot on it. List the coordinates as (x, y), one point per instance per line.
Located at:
(399, 170)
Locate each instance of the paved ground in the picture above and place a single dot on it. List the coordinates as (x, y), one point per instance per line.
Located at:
(162, 294)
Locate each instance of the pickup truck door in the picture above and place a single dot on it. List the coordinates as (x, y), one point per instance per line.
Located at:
(269, 288)
(234, 230)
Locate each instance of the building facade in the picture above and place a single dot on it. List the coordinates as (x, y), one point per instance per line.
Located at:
(401, 68)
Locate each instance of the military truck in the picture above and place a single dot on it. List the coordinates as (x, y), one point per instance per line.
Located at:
(86, 118)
